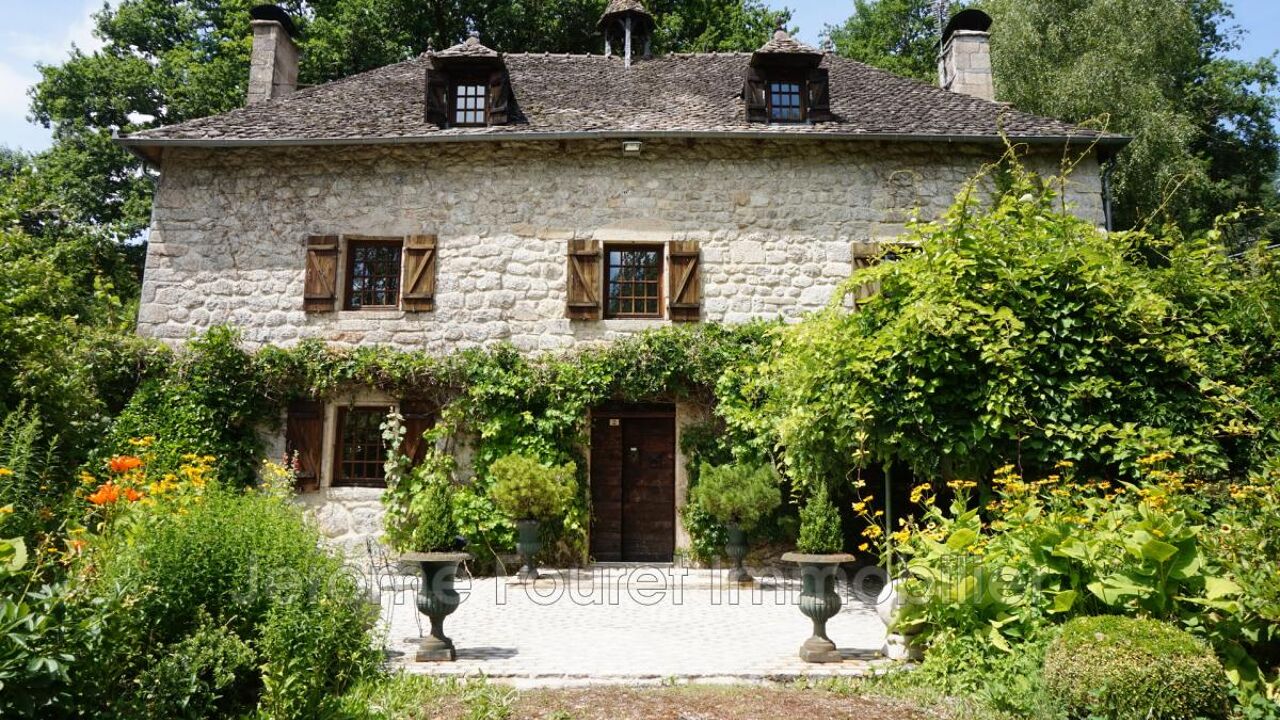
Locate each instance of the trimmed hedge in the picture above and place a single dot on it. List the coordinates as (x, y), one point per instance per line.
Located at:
(1129, 669)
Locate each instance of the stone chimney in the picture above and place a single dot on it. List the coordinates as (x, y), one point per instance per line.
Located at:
(273, 64)
(964, 63)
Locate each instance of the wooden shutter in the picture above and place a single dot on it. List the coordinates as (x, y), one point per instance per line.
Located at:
(320, 292)
(304, 436)
(438, 97)
(499, 99)
(418, 419)
(819, 95)
(753, 92)
(584, 281)
(418, 293)
(867, 254)
(685, 281)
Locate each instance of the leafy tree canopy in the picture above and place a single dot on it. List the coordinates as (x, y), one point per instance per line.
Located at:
(167, 61)
(1204, 125)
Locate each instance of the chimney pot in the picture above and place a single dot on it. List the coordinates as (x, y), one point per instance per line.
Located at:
(273, 64)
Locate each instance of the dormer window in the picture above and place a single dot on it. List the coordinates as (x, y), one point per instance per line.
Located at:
(786, 101)
(468, 86)
(785, 83)
(470, 105)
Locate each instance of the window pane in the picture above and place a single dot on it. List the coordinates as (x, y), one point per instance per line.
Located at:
(363, 451)
(634, 282)
(469, 105)
(375, 275)
(784, 102)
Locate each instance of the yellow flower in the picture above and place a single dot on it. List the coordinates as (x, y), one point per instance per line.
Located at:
(872, 532)
(6, 510)
(962, 484)
(860, 507)
(864, 547)
(5, 472)
(1065, 464)
(918, 492)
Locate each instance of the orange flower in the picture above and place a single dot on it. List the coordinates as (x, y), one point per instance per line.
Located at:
(132, 495)
(107, 493)
(124, 463)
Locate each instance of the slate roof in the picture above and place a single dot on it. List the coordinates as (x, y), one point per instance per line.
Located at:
(570, 96)
(783, 44)
(469, 48)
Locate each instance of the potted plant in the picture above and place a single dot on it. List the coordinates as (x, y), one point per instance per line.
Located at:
(819, 557)
(738, 496)
(530, 492)
(421, 526)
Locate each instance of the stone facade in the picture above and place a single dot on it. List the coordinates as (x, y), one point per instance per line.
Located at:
(776, 223)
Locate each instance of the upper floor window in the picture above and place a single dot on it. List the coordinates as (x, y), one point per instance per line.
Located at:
(633, 281)
(786, 103)
(373, 274)
(470, 104)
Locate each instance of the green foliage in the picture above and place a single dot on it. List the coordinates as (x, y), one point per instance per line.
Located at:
(820, 531)
(900, 36)
(1132, 669)
(526, 489)
(29, 486)
(190, 678)
(211, 402)
(1161, 72)
(1020, 335)
(239, 564)
(423, 697)
(737, 493)
(421, 500)
(1001, 682)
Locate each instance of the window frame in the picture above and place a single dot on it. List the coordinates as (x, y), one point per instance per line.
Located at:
(354, 243)
(339, 479)
(607, 266)
(802, 85)
(469, 81)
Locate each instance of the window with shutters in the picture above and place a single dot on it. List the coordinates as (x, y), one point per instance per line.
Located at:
(633, 281)
(361, 451)
(470, 104)
(373, 274)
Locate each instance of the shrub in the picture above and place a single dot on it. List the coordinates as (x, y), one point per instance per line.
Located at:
(1133, 669)
(737, 493)
(227, 563)
(196, 677)
(525, 489)
(820, 531)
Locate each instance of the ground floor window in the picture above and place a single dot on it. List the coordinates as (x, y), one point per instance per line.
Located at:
(361, 451)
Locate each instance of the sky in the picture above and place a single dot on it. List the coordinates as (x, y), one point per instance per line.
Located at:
(33, 31)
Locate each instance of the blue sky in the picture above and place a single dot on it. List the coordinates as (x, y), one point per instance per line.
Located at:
(34, 31)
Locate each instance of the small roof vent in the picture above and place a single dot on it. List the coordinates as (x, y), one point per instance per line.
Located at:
(274, 13)
(972, 20)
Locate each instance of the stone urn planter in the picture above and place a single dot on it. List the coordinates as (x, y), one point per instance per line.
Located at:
(900, 642)
(528, 543)
(736, 549)
(437, 600)
(819, 601)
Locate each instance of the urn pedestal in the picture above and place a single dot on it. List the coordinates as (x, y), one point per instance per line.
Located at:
(437, 600)
(736, 549)
(819, 602)
(528, 543)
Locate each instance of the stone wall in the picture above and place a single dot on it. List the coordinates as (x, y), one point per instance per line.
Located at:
(776, 222)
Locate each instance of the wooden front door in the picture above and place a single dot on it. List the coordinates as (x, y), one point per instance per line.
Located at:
(633, 484)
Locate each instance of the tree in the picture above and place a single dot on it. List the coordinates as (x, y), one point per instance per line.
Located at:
(1204, 125)
(167, 61)
(1024, 336)
(900, 36)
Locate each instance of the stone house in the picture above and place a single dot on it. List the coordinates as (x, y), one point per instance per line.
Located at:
(470, 197)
